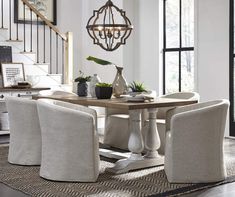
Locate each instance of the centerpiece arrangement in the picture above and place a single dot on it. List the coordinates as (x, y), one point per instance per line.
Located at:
(119, 85)
(138, 93)
(137, 88)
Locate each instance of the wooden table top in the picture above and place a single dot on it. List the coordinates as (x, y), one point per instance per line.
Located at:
(119, 103)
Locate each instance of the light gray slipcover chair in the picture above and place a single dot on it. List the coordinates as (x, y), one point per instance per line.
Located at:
(25, 133)
(161, 115)
(194, 142)
(70, 148)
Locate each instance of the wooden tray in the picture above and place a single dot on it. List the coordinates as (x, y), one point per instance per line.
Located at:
(20, 86)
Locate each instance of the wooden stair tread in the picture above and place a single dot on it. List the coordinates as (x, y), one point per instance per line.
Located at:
(51, 74)
(27, 52)
(4, 132)
(14, 40)
(47, 63)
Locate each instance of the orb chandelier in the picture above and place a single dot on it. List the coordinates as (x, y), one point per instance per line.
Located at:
(109, 27)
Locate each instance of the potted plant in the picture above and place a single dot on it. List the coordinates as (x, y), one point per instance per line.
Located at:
(119, 85)
(137, 88)
(82, 84)
(103, 90)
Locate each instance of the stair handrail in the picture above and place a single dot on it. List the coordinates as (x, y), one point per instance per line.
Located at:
(44, 19)
(68, 38)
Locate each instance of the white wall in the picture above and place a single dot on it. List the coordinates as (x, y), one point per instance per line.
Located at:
(129, 60)
(69, 18)
(212, 49)
(145, 44)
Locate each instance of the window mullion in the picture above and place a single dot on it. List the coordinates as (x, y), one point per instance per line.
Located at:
(231, 70)
(179, 49)
(180, 41)
(164, 46)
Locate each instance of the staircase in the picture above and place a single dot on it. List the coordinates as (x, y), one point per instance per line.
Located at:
(47, 53)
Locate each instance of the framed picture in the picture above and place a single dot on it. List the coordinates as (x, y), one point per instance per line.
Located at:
(12, 73)
(46, 7)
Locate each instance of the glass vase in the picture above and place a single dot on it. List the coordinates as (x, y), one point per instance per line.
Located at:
(120, 85)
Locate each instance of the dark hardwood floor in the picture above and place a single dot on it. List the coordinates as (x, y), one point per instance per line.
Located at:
(227, 190)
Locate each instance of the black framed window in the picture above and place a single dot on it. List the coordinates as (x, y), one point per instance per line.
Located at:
(178, 45)
(232, 70)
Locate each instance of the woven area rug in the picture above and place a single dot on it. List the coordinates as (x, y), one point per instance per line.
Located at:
(148, 182)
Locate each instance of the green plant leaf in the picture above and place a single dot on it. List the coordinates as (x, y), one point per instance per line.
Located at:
(137, 87)
(82, 78)
(103, 85)
(98, 61)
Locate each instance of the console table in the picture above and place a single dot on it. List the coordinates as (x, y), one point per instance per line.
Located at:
(136, 143)
(16, 92)
(19, 92)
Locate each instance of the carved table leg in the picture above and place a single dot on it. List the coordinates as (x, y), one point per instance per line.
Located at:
(135, 143)
(152, 140)
(136, 146)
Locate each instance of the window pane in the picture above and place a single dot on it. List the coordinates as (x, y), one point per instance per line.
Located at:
(233, 89)
(187, 71)
(234, 41)
(234, 31)
(172, 72)
(172, 23)
(187, 23)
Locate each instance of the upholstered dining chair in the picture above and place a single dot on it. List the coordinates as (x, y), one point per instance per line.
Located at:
(194, 142)
(161, 115)
(100, 111)
(117, 123)
(55, 92)
(25, 133)
(70, 149)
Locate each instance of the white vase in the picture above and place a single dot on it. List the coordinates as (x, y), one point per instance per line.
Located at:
(94, 80)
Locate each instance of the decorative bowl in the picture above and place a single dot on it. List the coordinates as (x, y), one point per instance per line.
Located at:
(133, 94)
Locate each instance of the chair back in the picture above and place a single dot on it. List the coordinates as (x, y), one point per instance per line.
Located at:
(178, 95)
(217, 108)
(55, 92)
(72, 106)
